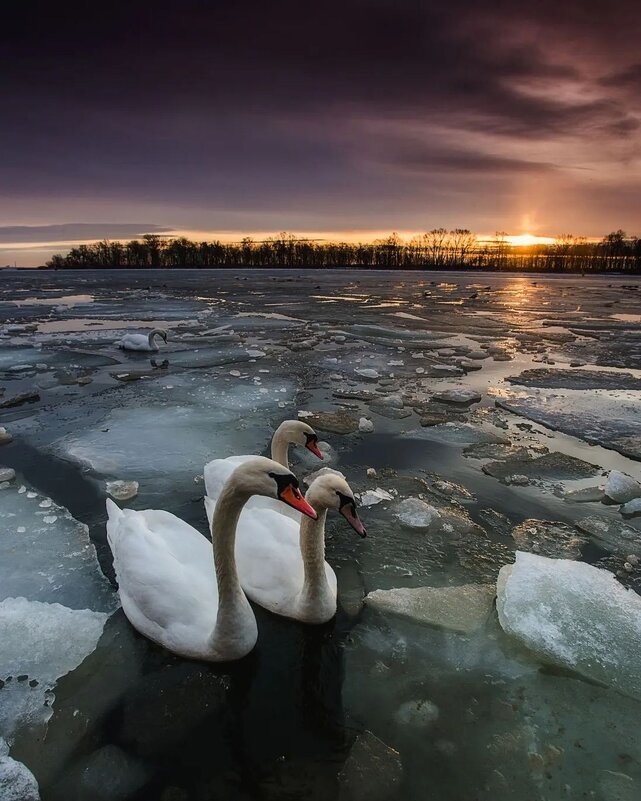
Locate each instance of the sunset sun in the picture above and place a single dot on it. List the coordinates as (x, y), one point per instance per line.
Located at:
(527, 240)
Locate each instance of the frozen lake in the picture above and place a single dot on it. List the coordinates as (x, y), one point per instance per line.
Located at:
(374, 705)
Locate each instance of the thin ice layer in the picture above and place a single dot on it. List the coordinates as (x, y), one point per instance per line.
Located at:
(46, 555)
(183, 425)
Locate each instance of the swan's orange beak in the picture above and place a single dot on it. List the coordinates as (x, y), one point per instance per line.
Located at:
(293, 497)
(312, 446)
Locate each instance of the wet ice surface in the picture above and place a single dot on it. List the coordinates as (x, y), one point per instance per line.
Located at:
(403, 374)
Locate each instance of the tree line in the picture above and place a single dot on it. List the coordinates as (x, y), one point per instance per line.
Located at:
(438, 249)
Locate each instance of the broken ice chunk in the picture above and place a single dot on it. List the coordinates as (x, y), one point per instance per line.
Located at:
(518, 480)
(621, 488)
(365, 425)
(17, 782)
(43, 640)
(585, 495)
(574, 615)
(368, 372)
(372, 497)
(464, 608)
(122, 490)
(631, 508)
(462, 395)
(613, 535)
(415, 513)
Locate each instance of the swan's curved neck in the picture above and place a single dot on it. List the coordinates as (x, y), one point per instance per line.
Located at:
(316, 591)
(233, 607)
(280, 449)
(155, 332)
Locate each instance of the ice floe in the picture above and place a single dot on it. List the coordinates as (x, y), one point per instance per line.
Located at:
(462, 396)
(574, 615)
(372, 497)
(46, 555)
(464, 608)
(415, 513)
(122, 490)
(17, 782)
(621, 488)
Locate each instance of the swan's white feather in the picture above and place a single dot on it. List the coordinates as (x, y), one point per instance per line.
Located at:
(136, 342)
(166, 579)
(268, 558)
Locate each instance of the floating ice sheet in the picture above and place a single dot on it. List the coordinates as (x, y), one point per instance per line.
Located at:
(46, 555)
(17, 782)
(612, 422)
(574, 615)
(40, 643)
(182, 425)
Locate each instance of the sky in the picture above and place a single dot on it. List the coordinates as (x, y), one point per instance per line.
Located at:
(341, 119)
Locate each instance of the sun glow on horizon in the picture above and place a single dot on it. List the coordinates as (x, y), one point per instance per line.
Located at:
(527, 240)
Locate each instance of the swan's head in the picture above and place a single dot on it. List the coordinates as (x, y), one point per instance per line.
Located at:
(299, 433)
(330, 490)
(163, 334)
(261, 476)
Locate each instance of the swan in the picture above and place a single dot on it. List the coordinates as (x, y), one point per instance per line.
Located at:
(281, 563)
(288, 432)
(144, 342)
(172, 589)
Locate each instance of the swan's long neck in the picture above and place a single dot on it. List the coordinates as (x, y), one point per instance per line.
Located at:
(316, 593)
(155, 332)
(280, 449)
(235, 615)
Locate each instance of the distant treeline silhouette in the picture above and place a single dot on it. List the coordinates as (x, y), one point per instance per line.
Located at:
(438, 249)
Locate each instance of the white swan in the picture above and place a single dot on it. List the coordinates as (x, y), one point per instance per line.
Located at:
(281, 563)
(288, 432)
(165, 568)
(145, 342)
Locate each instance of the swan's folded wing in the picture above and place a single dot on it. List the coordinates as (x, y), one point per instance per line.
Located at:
(163, 591)
(183, 541)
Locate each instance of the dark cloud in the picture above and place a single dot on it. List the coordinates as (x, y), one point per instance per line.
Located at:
(628, 77)
(247, 114)
(415, 155)
(77, 231)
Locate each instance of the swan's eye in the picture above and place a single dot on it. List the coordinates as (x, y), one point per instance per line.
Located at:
(288, 492)
(312, 445)
(346, 500)
(284, 480)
